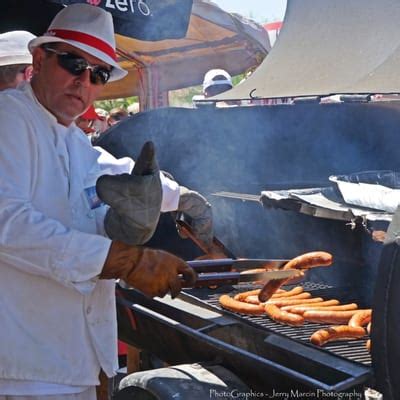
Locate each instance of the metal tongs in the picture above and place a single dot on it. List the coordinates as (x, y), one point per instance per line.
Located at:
(230, 270)
(217, 275)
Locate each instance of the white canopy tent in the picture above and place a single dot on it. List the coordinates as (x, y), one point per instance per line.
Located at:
(330, 47)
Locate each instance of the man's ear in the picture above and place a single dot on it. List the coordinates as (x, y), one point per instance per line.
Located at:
(28, 73)
(37, 60)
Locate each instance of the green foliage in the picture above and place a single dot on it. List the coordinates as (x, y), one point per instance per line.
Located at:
(183, 97)
(110, 104)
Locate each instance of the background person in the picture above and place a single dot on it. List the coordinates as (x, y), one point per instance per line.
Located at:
(85, 121)
(92, 123)
(116, 115)
(133, 108)
(57, 265)
(216, 81)
(15, 58)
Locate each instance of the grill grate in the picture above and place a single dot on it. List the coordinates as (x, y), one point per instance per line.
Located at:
(354, 350)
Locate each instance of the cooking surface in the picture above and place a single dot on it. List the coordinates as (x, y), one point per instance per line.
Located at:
(354, 350)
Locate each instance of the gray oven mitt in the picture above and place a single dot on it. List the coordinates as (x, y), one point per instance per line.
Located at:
(134, 200)
(198, 209)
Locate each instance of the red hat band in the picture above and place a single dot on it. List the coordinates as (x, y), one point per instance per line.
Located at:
(84, 38)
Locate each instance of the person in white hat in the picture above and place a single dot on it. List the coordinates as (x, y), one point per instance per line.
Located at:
(15, 58)
(216, 81)
(58, 265)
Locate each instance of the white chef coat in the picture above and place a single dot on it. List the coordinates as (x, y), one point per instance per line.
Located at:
(58, 321)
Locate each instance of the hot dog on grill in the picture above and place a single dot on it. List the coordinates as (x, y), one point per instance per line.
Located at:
(288, 293)
(289, 302)
(283, 317)
(310, 260)
(254, 299)
(272, 286)
(279, 293)
(333, 333)
(241, 296)
(329, 305)
(240, 307)
(329, 317)
(361, 318)
(304, 261)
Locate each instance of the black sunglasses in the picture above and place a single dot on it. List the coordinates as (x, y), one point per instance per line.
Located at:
(77, 65)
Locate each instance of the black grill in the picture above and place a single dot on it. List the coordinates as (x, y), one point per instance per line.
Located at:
(354, 350)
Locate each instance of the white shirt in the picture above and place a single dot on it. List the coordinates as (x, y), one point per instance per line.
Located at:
(58, 320)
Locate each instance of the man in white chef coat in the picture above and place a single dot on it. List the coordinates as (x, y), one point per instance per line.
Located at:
(64, 238)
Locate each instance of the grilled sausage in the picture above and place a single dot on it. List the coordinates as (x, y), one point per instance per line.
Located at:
(243, 295)
(368, 345)
(252, 300)
(361, 318)
(255, 300)
(288, 293)
(289, 302)
(240, 307)
(310, 260)
(283, 317)
(329, 305)
(272, 286)
(329, 317)
(333, 333)
(369, 328)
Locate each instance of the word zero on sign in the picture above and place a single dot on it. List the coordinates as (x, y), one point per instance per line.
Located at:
(129, 5)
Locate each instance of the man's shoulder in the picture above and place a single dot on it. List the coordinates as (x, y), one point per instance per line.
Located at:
(17, 106)
(13, 98)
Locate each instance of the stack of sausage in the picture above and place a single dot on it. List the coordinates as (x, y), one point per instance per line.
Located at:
(295, 306)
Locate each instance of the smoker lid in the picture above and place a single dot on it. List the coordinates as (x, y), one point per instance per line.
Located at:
(330, 47)
(379, 190)
(326, 202)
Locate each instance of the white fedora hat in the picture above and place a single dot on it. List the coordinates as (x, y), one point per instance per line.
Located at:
(212, 74)
(88, 28)
(14, 48)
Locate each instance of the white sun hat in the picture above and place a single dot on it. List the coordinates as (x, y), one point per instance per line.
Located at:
(14, 48)
(88, 28)
(209, 78)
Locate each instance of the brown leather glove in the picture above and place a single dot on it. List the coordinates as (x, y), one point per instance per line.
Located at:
(153, 272)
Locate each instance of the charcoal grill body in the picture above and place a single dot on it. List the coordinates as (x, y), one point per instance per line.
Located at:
(250, 149)
(264, 360)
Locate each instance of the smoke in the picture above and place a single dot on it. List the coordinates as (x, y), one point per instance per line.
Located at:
(250, 149)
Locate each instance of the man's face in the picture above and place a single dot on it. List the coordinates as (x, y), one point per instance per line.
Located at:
(65, 95)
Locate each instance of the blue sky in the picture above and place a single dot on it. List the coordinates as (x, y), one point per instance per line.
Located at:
(258, 10)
